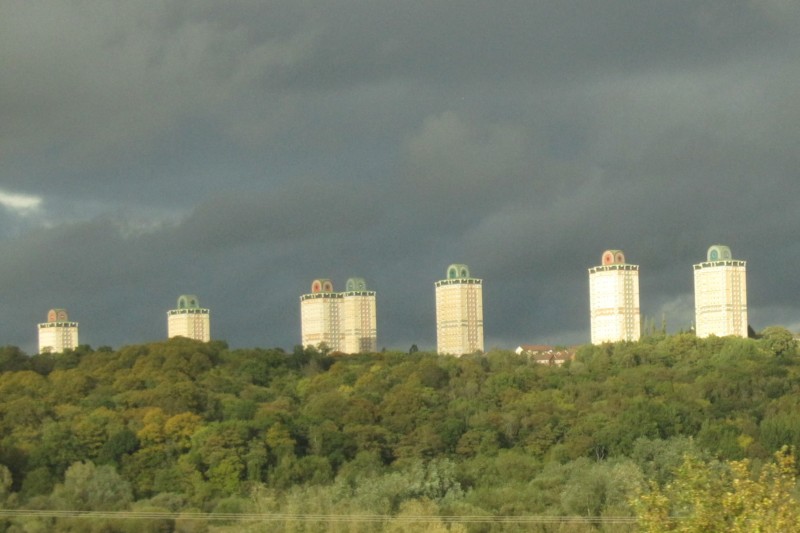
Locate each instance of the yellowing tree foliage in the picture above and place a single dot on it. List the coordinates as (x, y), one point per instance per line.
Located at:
(734, 497)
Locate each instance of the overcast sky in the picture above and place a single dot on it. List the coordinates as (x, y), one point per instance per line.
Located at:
(238, 150)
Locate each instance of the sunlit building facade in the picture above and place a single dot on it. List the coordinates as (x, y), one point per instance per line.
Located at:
(58, 333)
(459, 312)
(343, 322)
(720, 294)
(358, 318)
(614, 299)
(319, 316)
(189, 319)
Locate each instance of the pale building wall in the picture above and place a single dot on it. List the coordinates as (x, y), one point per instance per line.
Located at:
(57, 337)
(190, 323)
(319, 320)
(720, 292)
(359, 324)
(614, 300)
(459, 315)
(58, 333)
(343, 321)
(189, 319)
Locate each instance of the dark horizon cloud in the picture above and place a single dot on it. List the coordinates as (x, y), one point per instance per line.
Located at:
(239, 151)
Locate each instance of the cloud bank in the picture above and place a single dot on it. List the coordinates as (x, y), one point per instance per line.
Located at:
(237, 152)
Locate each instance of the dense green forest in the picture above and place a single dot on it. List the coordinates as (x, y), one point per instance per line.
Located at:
(636, 436)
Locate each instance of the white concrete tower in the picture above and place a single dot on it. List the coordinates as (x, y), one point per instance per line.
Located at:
(720, 294)
(189, 320)
(58, 333)
(459, 312)
(358, 318)
(614, 299)
(319, 316)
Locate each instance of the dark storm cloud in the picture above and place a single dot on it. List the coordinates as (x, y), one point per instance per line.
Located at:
(238, 150)
(302, 212)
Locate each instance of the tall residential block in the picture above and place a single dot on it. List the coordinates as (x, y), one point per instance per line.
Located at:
(614, 299)
(720, 294)
(58, 333)
(459, 312)
(341, 321)
(189, 320)
(358, 318)
(319, 316)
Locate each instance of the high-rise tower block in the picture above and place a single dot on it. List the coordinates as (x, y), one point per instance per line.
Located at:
(614, 299)
(189, 320)
(720, 294)
(58, 333)
(340, 321)
(459, 312)
(358, 318)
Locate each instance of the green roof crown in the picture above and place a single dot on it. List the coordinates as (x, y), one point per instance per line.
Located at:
(356, 284)
(188, 301)
(457, 271)
(719, 252)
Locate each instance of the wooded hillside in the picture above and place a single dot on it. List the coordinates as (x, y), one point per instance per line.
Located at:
(183, 426)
